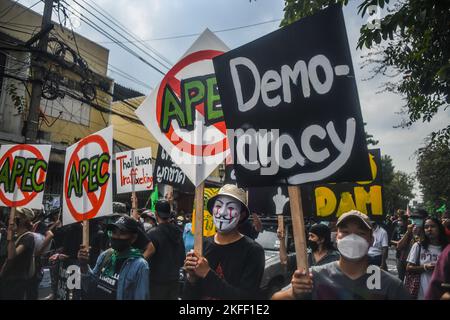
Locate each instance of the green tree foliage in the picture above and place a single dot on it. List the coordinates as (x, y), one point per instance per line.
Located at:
(397, 186)
(413, 41)
(433, 174)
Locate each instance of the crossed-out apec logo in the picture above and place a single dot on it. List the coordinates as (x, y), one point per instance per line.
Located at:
(189, 112)
(87, 177)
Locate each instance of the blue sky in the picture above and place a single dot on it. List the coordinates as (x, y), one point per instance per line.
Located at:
(151, 19)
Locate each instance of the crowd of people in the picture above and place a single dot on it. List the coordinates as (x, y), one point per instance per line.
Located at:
(150, 255)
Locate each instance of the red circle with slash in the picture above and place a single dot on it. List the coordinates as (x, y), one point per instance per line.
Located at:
(28, 196)
(174, 84)
(95, 202)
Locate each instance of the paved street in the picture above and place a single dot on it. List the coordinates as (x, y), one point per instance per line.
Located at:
(391, 262)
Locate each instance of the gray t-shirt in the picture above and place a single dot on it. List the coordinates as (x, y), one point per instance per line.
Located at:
(330, 283)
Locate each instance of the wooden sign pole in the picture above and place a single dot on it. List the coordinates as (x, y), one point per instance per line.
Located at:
(134, 213)
(198, 223)
(283, 251)
(298, 224)
(86, 233)
(11, 222)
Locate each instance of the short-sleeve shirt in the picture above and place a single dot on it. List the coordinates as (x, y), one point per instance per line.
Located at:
(429, 255)
(380, 240)
(331, 283)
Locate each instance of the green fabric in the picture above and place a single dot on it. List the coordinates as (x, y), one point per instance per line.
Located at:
(442, 209)
(154, 197)
(132, 253)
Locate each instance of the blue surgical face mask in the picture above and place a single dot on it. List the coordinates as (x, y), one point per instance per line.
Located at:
(327, 223)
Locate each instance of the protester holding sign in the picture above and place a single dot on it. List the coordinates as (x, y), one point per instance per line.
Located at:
(121, 273)
(19, 268)
(350, 278)
(166, 253)
(232, 265)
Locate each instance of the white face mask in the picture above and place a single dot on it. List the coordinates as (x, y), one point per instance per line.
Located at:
(353, 247)
(226, 213)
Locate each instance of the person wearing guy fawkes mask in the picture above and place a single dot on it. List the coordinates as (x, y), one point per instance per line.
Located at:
(347, 278)
(121, 273)
(232, 264)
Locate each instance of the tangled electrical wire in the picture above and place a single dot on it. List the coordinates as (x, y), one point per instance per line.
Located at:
(53, 76)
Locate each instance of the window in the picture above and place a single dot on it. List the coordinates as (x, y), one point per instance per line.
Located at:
(72, 110)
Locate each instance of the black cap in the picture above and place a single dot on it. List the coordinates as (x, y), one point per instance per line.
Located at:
(320, 230)
(124, 223)
(162, 209)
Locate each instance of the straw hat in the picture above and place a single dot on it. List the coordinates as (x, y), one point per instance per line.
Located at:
(234, 192)
(25, 213)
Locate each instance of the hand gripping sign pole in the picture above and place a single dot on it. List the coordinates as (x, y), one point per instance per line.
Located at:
(298, 225)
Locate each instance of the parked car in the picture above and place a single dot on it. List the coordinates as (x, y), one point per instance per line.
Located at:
(276, 275)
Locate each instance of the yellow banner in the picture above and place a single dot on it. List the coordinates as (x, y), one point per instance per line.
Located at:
(209, 229)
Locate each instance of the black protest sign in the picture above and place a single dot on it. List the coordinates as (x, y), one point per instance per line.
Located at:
(263, 200)
(167, 172)
(291, 105)
(230, 175)
(331, 200)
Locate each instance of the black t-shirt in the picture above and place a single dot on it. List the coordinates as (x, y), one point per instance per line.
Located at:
(165, 264)
(247, 229)
(21, 264)
(72, 239)
(236, 271)
(106, 286)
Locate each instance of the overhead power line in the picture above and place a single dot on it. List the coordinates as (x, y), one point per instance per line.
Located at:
(199, 33)
(126, 30)
(94, 26)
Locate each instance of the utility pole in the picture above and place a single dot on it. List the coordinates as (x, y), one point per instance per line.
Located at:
(38, 71)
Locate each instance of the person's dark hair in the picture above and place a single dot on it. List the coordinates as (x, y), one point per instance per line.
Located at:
(323, 232)
(442, 238)
(421, 212)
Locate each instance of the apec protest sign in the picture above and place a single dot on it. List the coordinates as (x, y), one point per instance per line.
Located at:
(167, 172)
(184, 112)
(23, 170)
(291, 105)
(134, 171)
(87, 188)
(331, 200)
